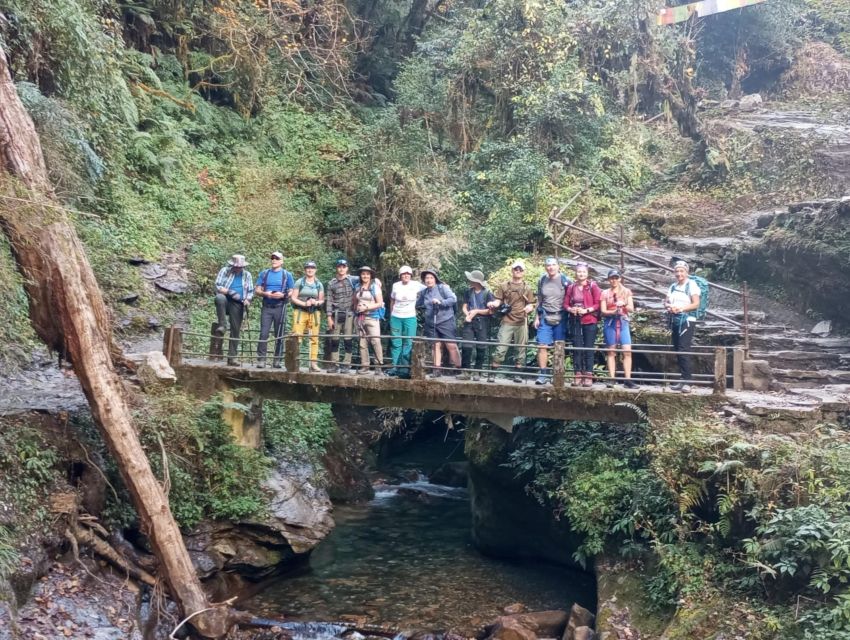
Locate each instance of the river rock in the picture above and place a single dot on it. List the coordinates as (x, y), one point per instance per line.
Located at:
(822, 328)
(584, 633)
(508, 628)
(516, 607)
(300, 510)
(579, 617)
(451, 474)
(750, 102)
(155, 371)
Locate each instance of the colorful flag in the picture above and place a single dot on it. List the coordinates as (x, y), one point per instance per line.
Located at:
(672, 15)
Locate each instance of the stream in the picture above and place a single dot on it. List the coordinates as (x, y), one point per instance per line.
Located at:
(406, 559)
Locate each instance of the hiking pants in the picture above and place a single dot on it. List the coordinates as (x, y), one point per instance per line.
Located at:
(478, 331)
(402, 330)
(343, 326)
(682, 339)
(234, 310)
(370, 331)
(271, 316)
(307, 322)
(584, 337)
(511, 333)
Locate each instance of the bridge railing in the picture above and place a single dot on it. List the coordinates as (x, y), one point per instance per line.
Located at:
(291, 353)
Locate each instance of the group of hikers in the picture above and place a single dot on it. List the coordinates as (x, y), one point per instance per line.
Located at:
(354, 305)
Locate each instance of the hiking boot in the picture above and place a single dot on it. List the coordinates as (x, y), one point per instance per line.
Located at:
(541, 379)
(314, 368)
(686, 388)
(364, 371)
(676, 387)
(277, 364)
(578, 381)
(261, 364)
(219, 330)
(610, 384)
(588, 379)
(517, 378)
(232, 362)
(628, 384)
(475, 377)
(464, 375)
(333, 368)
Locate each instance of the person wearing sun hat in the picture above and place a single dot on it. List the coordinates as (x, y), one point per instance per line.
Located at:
(403, 320)
(273, 286)
(369, 306)
(519, 299)
(476, 324)
(438, 303)
(234, 289)
(308, 295)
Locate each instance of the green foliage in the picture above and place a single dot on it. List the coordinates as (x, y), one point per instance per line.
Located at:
(29, 465)
(8, 553)
(297, 430)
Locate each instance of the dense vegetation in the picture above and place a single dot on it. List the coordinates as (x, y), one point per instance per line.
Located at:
(439, 132)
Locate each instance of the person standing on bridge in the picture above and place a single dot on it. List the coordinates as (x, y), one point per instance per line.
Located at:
(234, 290)
(582, 304)
(682, 300)
(439, 303)
(273, 286)
(403, 320)
(550, 321)
(308, 296)
(340, 310)
(476, 323)
(519, 301)
(369, 305)
(616, 305)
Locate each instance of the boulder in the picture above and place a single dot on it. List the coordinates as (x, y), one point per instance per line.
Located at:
(750, 102)
(508, 628)
(822, 328)
(757, 375)
(579, 617)
(300, 510)
(172, 285)
(544, 624)
(516, 607)
(154, 371)
(451, 474)
(584, 633)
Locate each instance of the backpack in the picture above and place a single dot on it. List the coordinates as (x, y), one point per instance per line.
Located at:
(704, 291)
(264, 278)
(564, 281)
(593, 287)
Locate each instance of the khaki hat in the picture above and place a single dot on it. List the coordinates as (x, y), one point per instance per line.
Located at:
(237, 260)
(475, 276)
(277, 255)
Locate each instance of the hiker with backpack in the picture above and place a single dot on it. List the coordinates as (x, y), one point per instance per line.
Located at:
(616, 305)
(517, 300)
(476, 324)
(234, 290)
(582, 306)
(550, 321)
(439, 304)
(369, 309)
(685, 303)
(403, 320)
(308, 296)
(273, 286)
(340, 312)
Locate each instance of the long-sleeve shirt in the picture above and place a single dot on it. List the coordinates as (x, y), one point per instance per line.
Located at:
(225, 278)
(588, 296)
(340, 295)
(445, 311)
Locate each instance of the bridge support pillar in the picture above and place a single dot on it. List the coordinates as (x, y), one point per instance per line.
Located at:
(244, 416)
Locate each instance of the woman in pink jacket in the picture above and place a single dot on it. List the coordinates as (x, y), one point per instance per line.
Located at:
(582, 305)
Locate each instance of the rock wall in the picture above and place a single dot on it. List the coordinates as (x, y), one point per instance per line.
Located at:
(506, 521)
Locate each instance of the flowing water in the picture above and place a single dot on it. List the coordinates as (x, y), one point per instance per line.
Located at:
(406, 560)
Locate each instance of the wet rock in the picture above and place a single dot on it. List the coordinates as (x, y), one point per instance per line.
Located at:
(508, 628)
(764, 220)
(153, 271)
(822, 328)
(346, 479)
(154, 371)
(579, 617)
(451, 474)
(300, 510)
(172, 285)
(584, 633)
(516, 607)
(411, 475)
(417, 494)
(750, 102)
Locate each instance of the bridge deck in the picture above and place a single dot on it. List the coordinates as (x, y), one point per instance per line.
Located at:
(485, 399)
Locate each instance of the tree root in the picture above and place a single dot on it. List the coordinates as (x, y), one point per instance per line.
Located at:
(78, 535)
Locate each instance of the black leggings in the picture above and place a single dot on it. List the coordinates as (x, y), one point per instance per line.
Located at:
(583, 336)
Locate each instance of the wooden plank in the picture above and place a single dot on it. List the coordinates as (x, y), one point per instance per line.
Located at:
(738, 369)
(290, 353)
(720, 370)
(558, 365)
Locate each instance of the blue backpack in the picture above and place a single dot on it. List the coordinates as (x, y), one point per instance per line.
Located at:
(381, 312)
(704, 292)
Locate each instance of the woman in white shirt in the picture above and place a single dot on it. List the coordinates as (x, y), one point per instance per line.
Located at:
(403, 320)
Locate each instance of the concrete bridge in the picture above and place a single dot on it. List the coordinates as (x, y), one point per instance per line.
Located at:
(499, 402)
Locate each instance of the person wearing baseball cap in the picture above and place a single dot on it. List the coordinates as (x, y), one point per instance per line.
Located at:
(519, 300)
(403, 320)
(682, 301)
(476, 324)
(308, 296)
(340, 312)
(273, 286)
(234, 289)
(616, 306)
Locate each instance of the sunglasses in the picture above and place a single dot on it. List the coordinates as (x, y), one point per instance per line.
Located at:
(518, 269)
(278, 259)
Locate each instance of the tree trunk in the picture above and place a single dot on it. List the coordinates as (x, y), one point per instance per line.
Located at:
(69, 314)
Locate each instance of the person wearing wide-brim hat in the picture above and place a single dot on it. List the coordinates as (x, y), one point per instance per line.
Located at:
(308, 295)
(403, 320)
(234, 289)
(369, 309)
(476, 324)
(438, 303)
